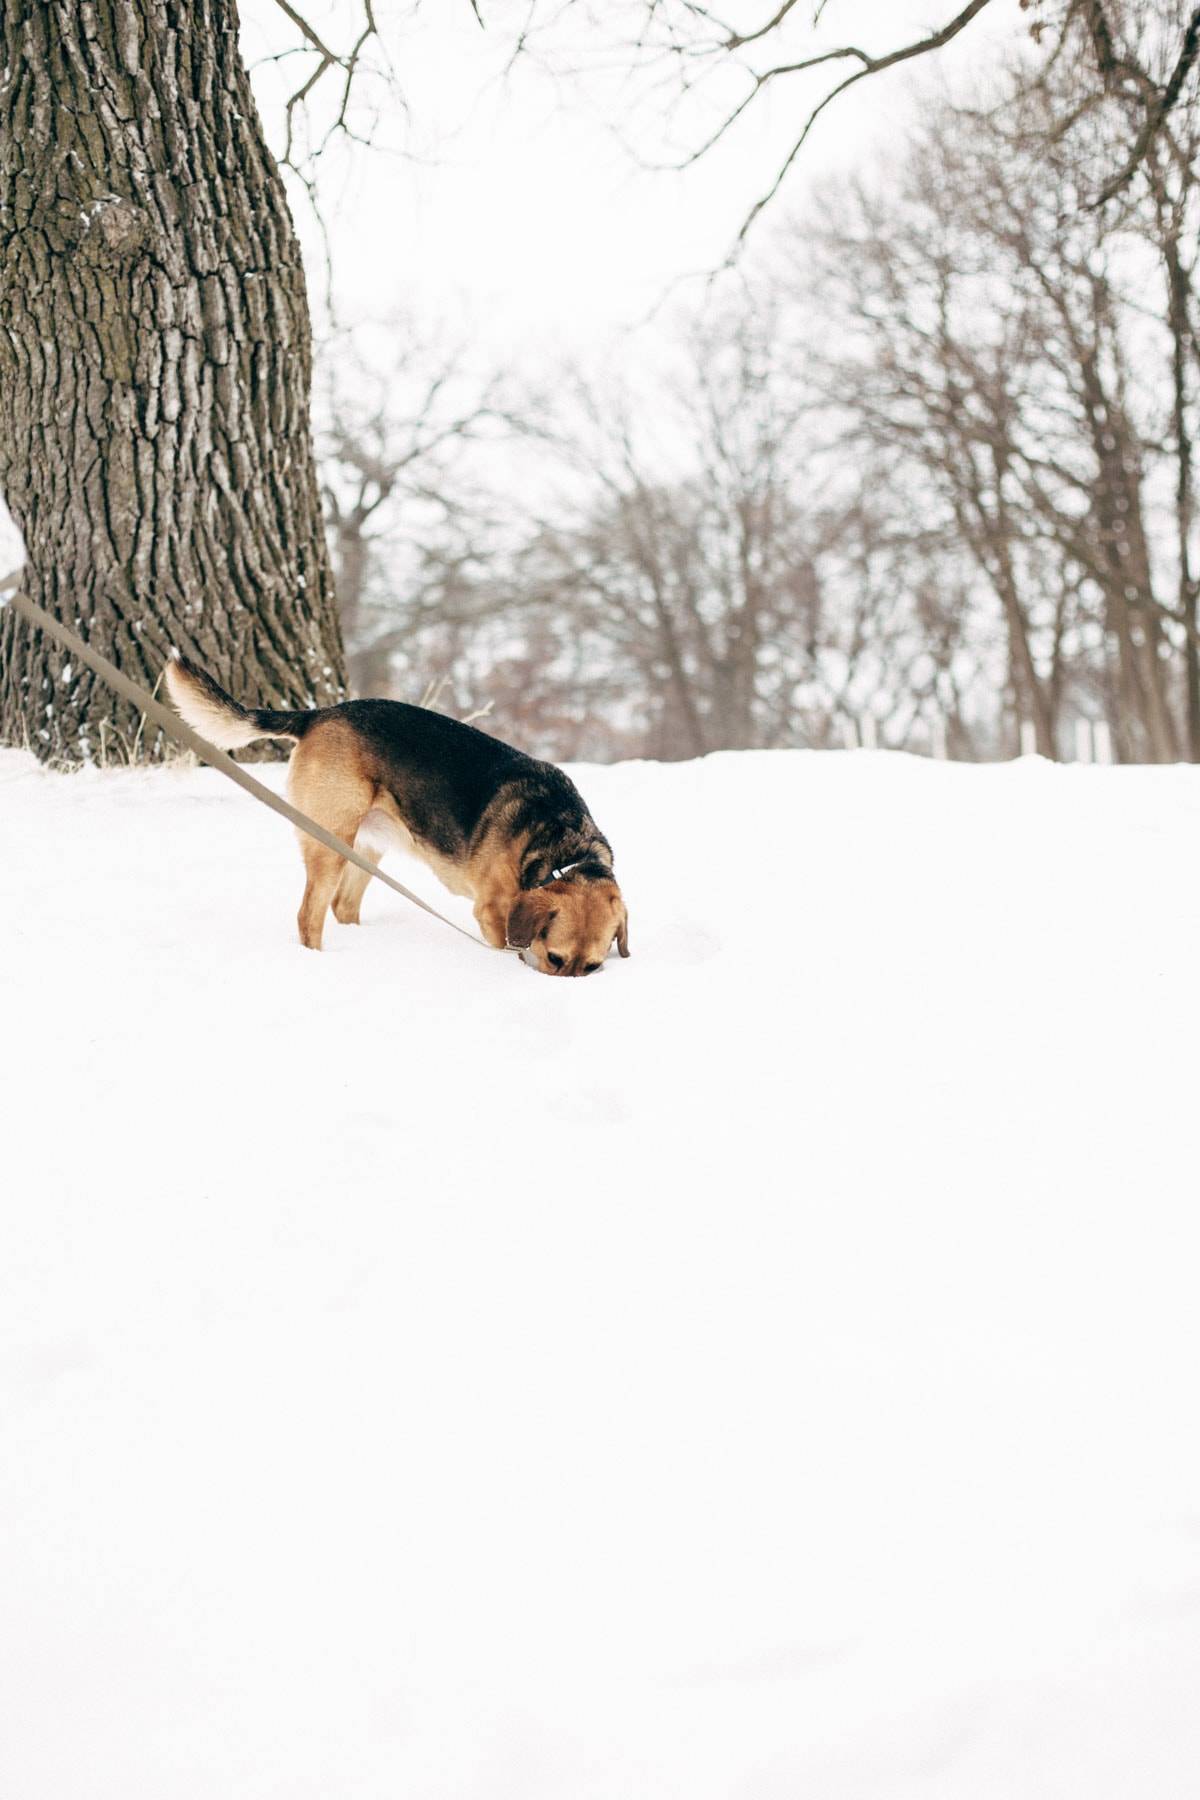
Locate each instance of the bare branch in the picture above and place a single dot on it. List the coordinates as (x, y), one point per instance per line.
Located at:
(1158, 105)
(350, 62)
(302, 25)
(871, 66)
(1100, 33)
(737, 39)
(1183, 68)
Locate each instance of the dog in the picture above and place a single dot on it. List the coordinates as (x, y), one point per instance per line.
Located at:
(510, 833)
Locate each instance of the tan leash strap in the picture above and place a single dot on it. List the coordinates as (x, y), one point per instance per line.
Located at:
(176, 728)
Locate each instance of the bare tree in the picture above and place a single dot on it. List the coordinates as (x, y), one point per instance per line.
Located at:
(717, 583)
(1173, 229)
(996, 332)
(411, 519)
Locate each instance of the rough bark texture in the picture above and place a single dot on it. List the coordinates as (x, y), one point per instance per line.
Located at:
(155, 364)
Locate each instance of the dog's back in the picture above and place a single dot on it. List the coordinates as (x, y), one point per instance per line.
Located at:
(442, 774)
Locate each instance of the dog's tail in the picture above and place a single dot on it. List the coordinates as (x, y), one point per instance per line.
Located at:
(218, 717)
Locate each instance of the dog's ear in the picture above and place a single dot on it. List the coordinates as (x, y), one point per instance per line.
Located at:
(527, 916)
(623, 934)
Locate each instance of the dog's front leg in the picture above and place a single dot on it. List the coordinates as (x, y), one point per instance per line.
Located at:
(491, 916)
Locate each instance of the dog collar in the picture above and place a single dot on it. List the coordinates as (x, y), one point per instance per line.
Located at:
(589, 862)
(557, 874)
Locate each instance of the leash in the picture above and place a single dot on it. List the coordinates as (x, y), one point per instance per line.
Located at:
(176, 728)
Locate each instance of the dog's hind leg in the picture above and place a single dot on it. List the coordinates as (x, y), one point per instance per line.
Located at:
(324, 869)
(382, 829)
(351, 888)
(326, 781)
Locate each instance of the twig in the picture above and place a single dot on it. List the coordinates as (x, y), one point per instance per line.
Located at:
(1157, 107)
(871, 66)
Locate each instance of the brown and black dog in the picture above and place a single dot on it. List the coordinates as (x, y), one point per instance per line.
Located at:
(510, 833)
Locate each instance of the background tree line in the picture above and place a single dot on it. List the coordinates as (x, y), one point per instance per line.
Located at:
(927, 463)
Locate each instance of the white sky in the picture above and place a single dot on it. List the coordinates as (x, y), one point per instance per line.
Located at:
(511, 209)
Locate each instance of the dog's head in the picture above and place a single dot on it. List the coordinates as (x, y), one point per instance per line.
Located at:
(568, 927)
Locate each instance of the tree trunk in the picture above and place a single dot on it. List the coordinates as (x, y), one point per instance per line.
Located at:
(368, 664)
(155, 365)
(1146, 729)
(990, 535)
(1179, 311)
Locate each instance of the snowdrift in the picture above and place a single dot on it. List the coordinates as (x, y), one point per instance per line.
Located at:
(765, 1369)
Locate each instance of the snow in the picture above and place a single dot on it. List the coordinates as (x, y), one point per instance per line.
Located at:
(767, 1368)
(12, 546)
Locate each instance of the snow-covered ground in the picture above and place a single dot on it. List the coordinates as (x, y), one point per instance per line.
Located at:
(766, 1369)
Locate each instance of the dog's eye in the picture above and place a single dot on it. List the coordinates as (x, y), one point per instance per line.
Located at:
(556, 962)
(590, 968)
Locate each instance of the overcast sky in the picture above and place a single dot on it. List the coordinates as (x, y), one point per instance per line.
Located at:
(513, 207)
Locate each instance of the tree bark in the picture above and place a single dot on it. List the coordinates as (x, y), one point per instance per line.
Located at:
(1179, 310)
(155, 368)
